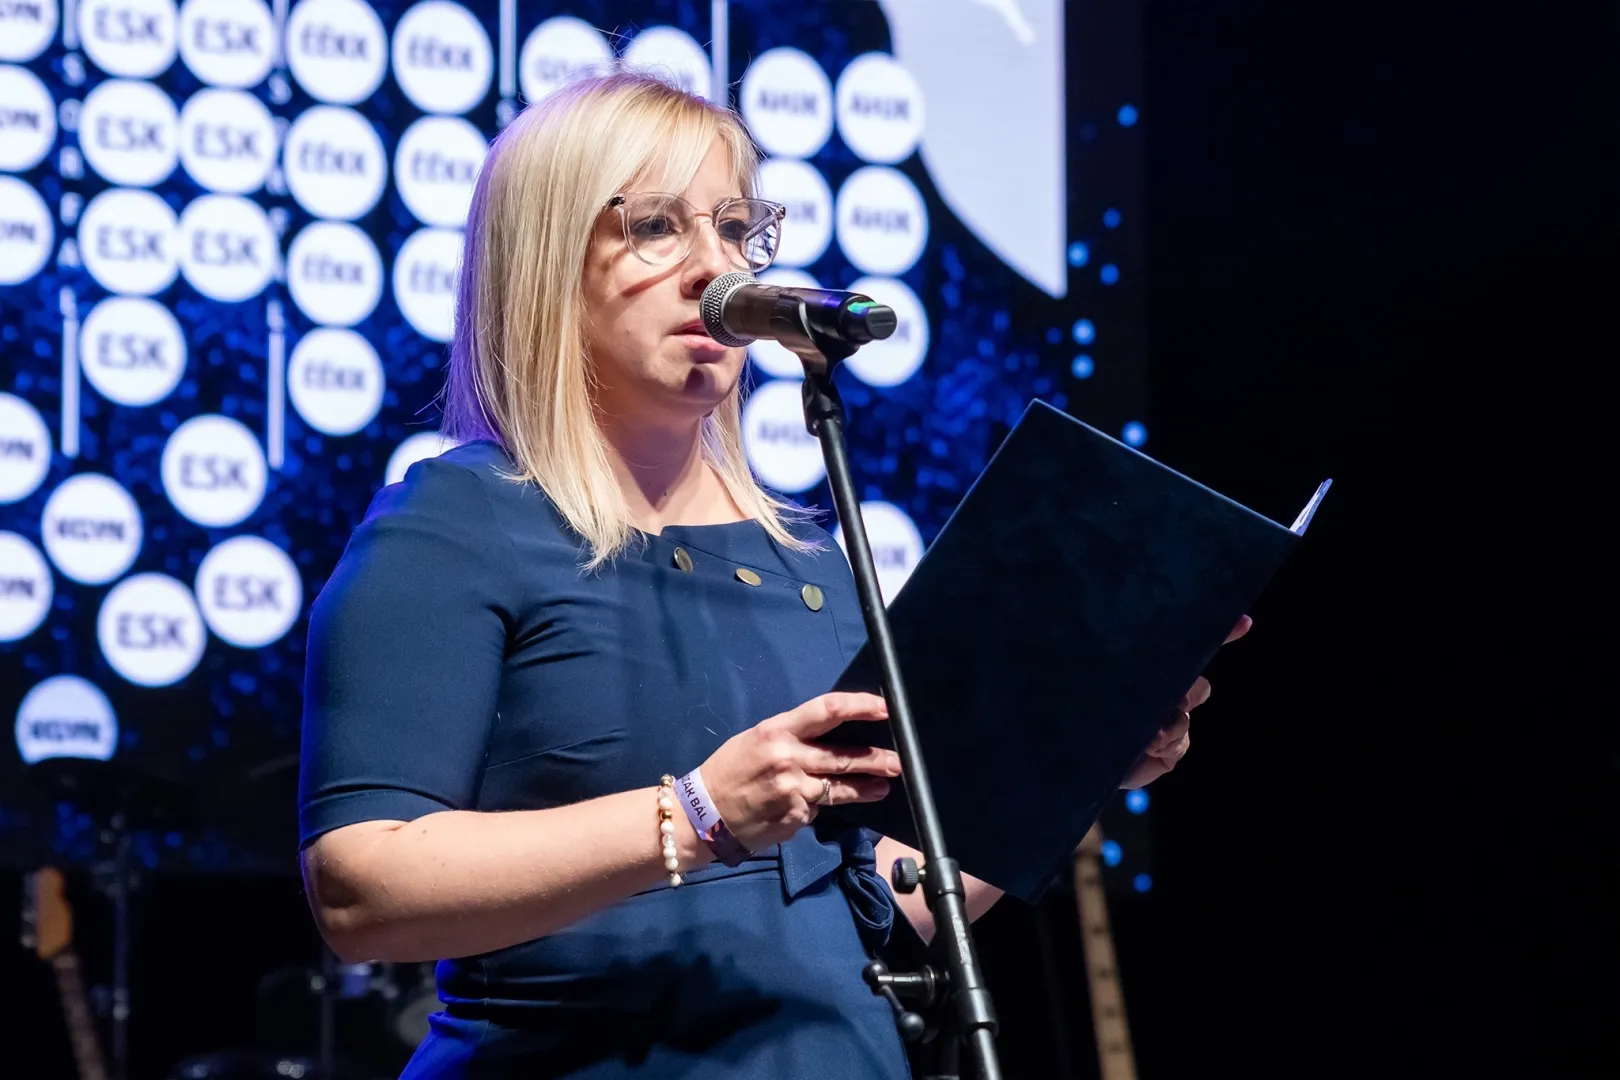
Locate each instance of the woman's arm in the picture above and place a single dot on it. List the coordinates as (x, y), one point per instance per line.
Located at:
(461, 882)
(978, 895)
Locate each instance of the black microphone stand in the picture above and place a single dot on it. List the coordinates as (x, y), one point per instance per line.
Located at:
(971, 1020)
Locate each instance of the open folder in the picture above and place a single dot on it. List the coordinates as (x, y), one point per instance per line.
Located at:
(1047, 635)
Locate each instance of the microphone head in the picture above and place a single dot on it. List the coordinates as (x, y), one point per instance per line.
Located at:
(712, 304)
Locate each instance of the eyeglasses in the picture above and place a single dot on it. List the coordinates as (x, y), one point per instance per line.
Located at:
(661, 228)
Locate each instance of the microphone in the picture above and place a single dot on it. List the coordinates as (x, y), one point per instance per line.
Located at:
(737, 309)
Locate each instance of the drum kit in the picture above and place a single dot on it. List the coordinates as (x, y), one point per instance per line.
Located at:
(321, 1020)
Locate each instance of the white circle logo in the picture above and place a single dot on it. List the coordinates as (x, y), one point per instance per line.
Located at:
(418, 447)
(150, 630)
(26, 28)
(334, 162)
(334, 273)
(880, 108)
(787, 102)
(227, 141)
(896, 545)
(896, 358)
(133, 38)
(425, 272)
(131, 350)
(442, 57)
(808, 226)
(127, 241)
(882, 222)
(66, 716)
(435, 166)
(25, 587)
(249, 592)
(227, 42)
(91, 528)
(672, 55)
(213, 470)
(127, 130)
(25, 449)
(335, 381)
(772, 357)
(27, 117)
(227, 249)
(27, 234)
(784, 455)
(336, 49)
(558, 51)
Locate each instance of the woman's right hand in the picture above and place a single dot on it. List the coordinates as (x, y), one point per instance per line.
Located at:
(766, 781)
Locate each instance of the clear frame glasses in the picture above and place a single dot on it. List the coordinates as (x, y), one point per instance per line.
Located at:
(661, 228)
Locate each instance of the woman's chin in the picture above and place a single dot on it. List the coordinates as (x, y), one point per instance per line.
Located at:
(708, 385)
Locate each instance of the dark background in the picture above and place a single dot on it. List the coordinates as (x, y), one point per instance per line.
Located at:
(1382, 241)
(1382, 245)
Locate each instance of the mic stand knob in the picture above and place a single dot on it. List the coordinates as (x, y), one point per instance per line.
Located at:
(924, 985)
(906, 875)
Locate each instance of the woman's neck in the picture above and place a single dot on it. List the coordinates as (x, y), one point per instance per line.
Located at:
(665, 479)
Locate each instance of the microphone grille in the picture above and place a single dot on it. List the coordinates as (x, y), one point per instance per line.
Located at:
(711, 306)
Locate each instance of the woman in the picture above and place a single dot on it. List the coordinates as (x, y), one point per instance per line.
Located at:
(533, 634)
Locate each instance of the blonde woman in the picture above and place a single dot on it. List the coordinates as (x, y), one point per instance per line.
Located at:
(565, 686)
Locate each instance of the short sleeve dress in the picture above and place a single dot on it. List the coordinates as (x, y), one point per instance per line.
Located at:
(461, 658)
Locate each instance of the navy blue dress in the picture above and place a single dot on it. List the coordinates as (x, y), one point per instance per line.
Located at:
(459, 658)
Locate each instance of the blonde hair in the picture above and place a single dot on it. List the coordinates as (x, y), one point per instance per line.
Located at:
(520, 373)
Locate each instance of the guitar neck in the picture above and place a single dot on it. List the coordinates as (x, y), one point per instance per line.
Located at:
(1114, 1053)
(81, 1027)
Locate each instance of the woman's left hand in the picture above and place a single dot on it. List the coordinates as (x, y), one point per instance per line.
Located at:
(1170, 745)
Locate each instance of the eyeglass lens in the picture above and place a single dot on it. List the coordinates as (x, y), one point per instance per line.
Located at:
(663, 227)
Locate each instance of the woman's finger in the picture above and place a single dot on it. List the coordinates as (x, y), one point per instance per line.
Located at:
(1170, 733)
(1169, 755)
(1197, 695)
(843, 790)
(839, 760)
(1239, 630)
(821, 714)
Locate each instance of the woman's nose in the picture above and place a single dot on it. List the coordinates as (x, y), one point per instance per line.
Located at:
(708, 258)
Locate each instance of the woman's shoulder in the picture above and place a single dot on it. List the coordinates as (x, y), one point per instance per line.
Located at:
(477, 483)
(822, 560)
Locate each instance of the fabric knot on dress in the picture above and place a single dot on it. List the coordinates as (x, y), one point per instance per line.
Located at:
(869, 895)
(848, 853)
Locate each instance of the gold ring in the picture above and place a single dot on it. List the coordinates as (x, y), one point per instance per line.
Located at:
(825, 798)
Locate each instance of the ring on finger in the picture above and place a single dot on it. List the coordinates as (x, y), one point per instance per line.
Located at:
(825, 798)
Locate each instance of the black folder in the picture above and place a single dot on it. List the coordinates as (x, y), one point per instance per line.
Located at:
(1048, 633)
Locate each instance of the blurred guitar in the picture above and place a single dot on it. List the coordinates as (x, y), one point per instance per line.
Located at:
(1102, 973)
(48, 930)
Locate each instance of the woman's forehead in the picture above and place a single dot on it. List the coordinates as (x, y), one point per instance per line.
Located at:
(712, 178)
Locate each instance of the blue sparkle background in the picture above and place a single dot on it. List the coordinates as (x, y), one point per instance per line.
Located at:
(223, 741)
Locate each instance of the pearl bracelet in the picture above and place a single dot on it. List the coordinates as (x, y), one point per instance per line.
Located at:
(666, 828)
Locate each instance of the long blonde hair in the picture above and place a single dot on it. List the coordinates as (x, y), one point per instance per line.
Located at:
(520, 373)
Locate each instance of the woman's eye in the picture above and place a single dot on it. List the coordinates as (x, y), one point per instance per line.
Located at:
(653, 227)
